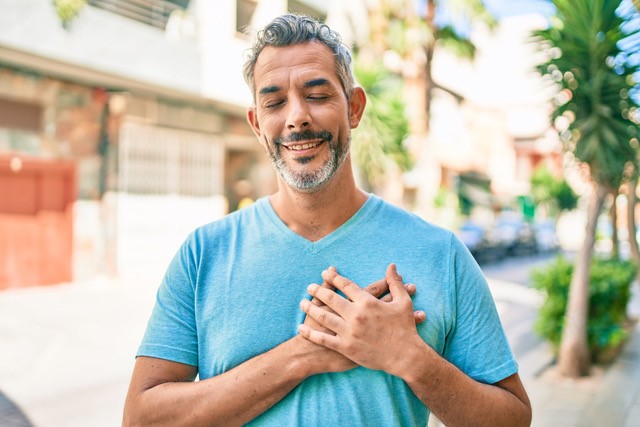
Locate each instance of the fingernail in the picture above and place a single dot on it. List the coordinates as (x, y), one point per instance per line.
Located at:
(304, 303)
(311, 288)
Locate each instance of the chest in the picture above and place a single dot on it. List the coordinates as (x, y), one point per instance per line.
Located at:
(248, 303)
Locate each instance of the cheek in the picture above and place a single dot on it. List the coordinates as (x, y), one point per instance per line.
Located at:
(270, 129)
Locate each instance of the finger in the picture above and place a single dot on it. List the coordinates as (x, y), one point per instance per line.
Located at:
(411, 290)
(419, 316)
(324, 339)
(324, 317)
(377, 288)
(329, 298)
(398, 292)
(349, 288)
(316, 301)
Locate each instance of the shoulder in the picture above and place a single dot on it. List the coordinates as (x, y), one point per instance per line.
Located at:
(245, 217)
(401, 222)
(219, 233)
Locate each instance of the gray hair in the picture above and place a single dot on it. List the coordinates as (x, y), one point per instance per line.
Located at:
(291, 29)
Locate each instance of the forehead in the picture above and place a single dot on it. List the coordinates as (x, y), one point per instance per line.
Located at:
(276, 63)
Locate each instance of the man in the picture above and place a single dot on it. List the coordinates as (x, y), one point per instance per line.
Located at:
(234, 305)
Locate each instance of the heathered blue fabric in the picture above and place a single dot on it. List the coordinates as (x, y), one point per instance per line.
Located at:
(233, 291)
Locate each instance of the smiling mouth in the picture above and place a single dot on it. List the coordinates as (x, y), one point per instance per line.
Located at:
(304, 146)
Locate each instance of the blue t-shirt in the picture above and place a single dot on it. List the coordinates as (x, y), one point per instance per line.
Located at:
(233, 290)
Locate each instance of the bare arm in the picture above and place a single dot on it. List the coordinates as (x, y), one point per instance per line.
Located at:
(458, 400)
(163, 392)
(384, 337)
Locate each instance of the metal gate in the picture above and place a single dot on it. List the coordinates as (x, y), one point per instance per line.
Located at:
(170, 181)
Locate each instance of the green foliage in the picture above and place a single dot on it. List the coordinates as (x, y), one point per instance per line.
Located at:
(609, 293)
(378, 142)
(594, 79)
(68, 10)
(404, 34)
(551, 191)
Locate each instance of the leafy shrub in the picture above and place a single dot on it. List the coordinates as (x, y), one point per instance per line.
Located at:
(609, 293)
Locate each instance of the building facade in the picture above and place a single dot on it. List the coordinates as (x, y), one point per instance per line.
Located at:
(144, 103)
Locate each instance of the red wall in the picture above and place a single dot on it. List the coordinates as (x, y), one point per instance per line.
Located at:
(36, 220)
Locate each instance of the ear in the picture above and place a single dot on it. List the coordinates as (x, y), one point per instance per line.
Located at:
(357, 103)
(252, 118)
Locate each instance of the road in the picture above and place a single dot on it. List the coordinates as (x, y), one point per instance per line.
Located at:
(518, 303)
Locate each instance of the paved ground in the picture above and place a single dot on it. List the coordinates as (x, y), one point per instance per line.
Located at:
(66, 354)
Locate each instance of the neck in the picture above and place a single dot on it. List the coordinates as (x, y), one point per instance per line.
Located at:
(316, 214)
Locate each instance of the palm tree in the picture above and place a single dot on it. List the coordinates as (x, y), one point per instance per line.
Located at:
(409, 31)
(595, 79)
(378, 143)
(448, 37)
(632, 18)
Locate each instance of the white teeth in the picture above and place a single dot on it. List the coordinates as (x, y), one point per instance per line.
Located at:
(304, 146)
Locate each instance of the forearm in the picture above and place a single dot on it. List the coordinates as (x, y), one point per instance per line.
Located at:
(458, 400)
(232, 398)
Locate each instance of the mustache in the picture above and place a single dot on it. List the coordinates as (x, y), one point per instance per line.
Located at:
(303, 136)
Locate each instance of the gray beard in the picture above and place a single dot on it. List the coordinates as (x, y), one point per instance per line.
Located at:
(310, 181)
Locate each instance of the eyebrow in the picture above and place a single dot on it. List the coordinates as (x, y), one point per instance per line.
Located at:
(269, 89)
(316, 82)
(311, 83)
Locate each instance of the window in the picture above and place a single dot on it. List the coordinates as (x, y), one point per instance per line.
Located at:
(151, 12)
(306, 8)
(20, 126)
(244, 13)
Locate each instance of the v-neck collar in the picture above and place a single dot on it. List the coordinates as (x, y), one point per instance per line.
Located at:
(264, 205)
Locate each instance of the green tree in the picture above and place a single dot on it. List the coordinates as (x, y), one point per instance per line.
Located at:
(447, 36)
(409, 28)
(553, 192)
(408, 32)
(378, 143)
(594, 80)
(68, 10)
(632, 16)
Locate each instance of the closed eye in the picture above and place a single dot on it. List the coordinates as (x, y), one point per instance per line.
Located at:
(273, 104)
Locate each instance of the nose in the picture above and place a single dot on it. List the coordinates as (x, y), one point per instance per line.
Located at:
(298, 117)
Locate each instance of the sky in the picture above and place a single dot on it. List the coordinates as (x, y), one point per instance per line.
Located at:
(498, 8)
(505, 8)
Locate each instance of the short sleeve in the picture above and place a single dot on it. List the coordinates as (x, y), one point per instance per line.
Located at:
(476, 342)
(171, 331)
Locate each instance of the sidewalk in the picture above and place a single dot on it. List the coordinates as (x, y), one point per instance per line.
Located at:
(66, 355)
(67, 351)
(610, 396)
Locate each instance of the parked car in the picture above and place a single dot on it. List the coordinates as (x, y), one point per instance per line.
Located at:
(482, 243)
(546, 236)
(472, 235)
(517, 236)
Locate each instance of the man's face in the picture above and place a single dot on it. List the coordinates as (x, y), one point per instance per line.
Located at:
(302, 115)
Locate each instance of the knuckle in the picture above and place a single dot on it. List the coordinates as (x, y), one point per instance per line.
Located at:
(330, 298)
(374, 289)
(345, 283)
(322, 316)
